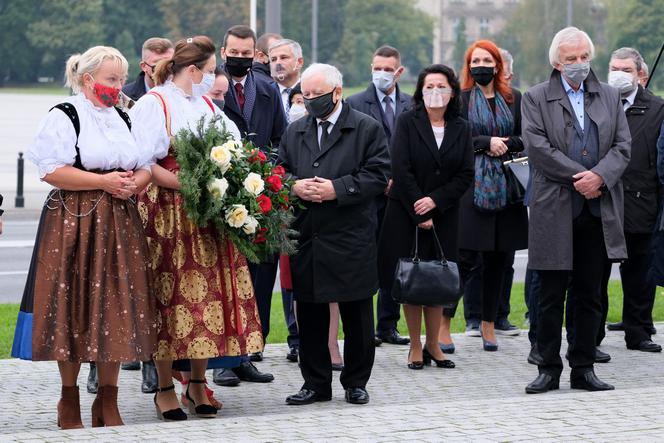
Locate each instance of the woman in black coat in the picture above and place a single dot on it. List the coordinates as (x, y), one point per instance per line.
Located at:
(488, 239)
(432, 166)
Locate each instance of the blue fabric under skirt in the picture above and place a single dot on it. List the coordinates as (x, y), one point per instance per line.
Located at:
(213, 363)
(22, 347)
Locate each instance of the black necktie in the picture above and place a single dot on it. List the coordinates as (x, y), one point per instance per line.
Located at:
(324, 135)
(624, 101)
(389, 113)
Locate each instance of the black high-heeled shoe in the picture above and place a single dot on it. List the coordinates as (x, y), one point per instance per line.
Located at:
(172, 414)
(203, 410)
(417, 365)
(427, 357)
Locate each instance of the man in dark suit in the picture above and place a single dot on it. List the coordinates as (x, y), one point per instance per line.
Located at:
(255, 107)
(340, 159)
(645, 114)
(154, 50)
(383, 101)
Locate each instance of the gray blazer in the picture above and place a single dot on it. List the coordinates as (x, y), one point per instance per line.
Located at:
(546, 128)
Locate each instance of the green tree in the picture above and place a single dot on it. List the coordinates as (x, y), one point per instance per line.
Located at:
(460, 44)
(18, 56)
(64, 27)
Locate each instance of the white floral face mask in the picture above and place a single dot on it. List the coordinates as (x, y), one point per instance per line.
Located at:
(436, 97)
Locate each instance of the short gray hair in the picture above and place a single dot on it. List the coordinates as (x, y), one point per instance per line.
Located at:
(295, 46)
(332, 75)
(625, 53)
(508, 60)
(644, 66)
(570, 34)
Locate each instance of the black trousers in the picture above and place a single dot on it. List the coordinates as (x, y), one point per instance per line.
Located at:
(484, 276)
(313, 320)
(263, 276)
(638, 291)
(389, 311)
(589, 257)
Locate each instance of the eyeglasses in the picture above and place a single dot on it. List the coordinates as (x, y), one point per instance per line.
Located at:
(149, 65)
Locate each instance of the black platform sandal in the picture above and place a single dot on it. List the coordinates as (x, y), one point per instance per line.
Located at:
(171, 415)
(202, 411)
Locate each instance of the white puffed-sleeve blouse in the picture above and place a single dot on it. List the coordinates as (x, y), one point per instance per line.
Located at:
(105, 142)
(149, 122)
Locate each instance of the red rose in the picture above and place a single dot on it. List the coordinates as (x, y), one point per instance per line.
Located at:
(257, 156)
(260, 236)
(274, 183)
(265, 203)
(279, 170)
(286, 202)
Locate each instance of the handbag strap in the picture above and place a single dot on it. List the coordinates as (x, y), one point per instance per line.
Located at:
(416, 257)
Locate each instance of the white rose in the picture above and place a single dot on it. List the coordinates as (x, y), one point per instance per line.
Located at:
(250, 225)
(222, 156)
(236, 216)
(254, 184)
(235, 147)
(218, 188)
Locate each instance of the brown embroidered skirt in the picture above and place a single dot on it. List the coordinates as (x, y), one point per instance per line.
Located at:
(92, 293)
(202, 284)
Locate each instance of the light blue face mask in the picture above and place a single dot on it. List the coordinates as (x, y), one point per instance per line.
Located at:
(382, 80)
(202, 88)
(577, 72)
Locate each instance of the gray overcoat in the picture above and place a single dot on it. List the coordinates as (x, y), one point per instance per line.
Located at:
(547, 126)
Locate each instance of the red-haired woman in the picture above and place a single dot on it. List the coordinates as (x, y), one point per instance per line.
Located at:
(488, 239)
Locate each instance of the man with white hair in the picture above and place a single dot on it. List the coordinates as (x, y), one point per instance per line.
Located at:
(340, 160)
(286, 62)
(578, 142)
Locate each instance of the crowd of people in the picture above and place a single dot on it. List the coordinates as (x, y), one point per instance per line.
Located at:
(120, 275)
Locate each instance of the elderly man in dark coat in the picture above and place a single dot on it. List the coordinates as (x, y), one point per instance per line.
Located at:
(340, 160)
(578, 141)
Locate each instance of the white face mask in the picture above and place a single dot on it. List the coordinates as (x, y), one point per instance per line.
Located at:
(382, 80)
(622, 81)
(436, 97)
(202, 88)
(296, 112)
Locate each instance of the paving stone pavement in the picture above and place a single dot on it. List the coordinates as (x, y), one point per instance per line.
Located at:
(482, 399)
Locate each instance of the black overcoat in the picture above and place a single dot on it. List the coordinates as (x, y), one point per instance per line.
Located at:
(505, 230)
(420, 169)
(336, 258)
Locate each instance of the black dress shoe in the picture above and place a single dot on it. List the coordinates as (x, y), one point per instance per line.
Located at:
(93, 381)
(534, 357)
(600, 357)
(646, 346)
(131, 366)
(619, 326)
(393, 337)
(306, 397)
(150, 383)
(357, 396)
(588, 381)
(292, 354)
(225, 377)
(256, 356)
(543, 383)
(248, 372)
(377, 341)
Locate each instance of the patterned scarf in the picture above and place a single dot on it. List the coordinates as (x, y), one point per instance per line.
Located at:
(482, 119)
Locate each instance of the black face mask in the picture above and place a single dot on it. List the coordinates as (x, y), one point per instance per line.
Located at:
(321, 106)
(219, 103)
(482, 74)
(238, 66)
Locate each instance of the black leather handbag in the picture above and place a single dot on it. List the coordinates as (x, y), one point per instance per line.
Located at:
(426, 282)
(517, 172)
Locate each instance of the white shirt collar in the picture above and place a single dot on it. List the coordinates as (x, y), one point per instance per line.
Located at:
(630, 98)
(334, 116)
(242, 82)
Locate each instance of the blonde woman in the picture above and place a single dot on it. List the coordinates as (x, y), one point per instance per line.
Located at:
(89, 279)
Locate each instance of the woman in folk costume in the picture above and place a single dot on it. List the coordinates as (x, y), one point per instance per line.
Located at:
(202, 284)
(88, 295)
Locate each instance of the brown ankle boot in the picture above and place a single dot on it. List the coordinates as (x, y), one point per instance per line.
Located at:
(69, 409)
(105, 407)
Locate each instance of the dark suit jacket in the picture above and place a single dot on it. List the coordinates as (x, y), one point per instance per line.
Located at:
(262, 70)
(421, 169)
(336, 258)
(268, 120)
(640, 182)
(136, 89)
(367, 103)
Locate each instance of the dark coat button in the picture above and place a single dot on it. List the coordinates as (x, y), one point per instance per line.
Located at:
(437, 171)
(351, 190)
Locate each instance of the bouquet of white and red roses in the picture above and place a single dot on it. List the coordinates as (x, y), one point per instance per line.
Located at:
(232, 184)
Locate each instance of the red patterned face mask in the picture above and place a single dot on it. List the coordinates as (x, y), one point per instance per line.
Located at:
(107, 95)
